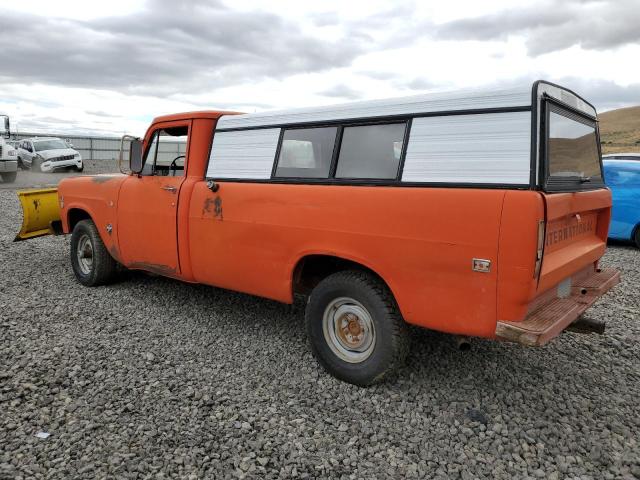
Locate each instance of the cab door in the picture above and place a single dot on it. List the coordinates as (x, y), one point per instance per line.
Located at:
(148, 202)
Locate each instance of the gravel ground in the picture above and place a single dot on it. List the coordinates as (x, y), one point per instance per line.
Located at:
(151, 378)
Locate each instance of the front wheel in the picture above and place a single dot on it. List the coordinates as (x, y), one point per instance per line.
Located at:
(79, 169)
(92, 264)
(355, 329)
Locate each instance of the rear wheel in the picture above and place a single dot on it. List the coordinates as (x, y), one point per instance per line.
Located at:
(355, 329)
(92, 264)
(636, 236)
(9, 177)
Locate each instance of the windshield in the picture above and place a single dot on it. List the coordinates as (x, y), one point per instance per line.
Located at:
(572, 151)
(49, 145)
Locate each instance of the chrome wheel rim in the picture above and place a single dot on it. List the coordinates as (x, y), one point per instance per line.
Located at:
(348, 330)
(84, 253)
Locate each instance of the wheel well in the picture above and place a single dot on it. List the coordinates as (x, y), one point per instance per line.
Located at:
(312, 269)
(75, 215)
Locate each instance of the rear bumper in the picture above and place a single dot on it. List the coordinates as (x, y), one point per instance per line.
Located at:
(550, 315)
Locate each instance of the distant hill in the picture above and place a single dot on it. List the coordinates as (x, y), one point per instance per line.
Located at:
(620, 130)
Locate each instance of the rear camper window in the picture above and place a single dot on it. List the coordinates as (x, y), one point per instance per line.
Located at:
(371, 151)
(306, 152)
(573, 158)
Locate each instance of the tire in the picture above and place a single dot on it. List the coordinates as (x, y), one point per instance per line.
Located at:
(378, 343)
(79, 169)
(35, 165)
(21, 165)
(9, 177)
(636, 236)
(97, 269)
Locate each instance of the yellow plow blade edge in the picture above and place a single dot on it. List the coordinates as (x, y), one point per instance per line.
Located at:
(41, 213)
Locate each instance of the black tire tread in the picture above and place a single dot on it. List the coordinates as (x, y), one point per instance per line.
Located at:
(398, 327)
(636, 236)
(105, 267)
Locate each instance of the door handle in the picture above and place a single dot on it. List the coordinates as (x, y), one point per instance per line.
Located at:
(169, 188)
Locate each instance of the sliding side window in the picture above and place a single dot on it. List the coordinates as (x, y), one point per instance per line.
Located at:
(371, 151)
(306, 153)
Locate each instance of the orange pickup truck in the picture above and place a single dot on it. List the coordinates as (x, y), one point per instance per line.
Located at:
(477, 213)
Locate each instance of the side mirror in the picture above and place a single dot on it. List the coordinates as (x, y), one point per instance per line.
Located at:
(135, 156)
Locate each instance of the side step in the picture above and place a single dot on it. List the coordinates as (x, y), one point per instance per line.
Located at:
(548, 320)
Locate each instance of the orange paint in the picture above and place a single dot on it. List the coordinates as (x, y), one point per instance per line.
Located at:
(250, 236)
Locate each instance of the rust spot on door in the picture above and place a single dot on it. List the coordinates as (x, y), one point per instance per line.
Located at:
(212, 207)
(217, 203)
(208, 206)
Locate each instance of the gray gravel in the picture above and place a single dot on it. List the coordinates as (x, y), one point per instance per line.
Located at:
(151, 378)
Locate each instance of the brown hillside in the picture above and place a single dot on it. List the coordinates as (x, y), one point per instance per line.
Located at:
(620, 130)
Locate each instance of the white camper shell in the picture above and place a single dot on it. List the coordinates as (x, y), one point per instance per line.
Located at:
(470, 138)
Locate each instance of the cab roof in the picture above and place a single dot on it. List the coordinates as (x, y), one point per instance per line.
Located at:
(210, 114)
(614, 162)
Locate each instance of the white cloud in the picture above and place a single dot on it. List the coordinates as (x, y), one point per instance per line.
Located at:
(112, 66)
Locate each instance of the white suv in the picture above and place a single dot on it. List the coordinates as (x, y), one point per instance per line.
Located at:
(48, 154)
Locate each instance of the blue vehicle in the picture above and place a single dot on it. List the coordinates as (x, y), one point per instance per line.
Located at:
(623, 178)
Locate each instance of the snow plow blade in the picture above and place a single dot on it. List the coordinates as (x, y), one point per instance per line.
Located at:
(40, 213)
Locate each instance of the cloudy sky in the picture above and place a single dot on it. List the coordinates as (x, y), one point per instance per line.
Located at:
(110, 67)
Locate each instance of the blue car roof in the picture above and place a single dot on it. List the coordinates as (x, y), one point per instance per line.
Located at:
(627, 164)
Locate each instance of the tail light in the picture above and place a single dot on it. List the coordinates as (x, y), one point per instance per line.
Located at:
(540, 248)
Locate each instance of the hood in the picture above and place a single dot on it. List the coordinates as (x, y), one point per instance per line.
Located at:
(60, 152)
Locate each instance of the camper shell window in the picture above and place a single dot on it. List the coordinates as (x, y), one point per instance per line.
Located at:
(306, 153)
(342, 152)
(572, 153)
(371, 151)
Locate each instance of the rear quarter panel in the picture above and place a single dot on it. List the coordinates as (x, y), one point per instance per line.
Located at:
(421, 241)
